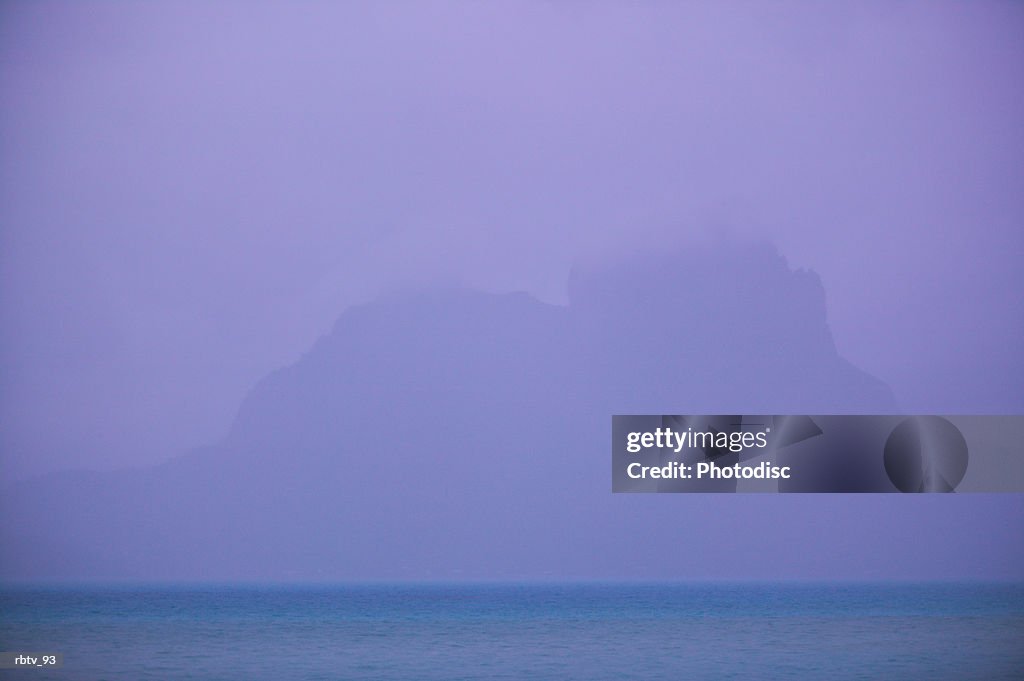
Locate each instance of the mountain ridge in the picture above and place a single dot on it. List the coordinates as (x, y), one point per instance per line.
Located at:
(454, 432)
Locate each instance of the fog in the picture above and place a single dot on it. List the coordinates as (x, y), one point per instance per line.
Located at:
(190, 195)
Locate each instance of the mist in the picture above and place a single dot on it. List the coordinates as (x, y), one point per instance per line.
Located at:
(190, 195)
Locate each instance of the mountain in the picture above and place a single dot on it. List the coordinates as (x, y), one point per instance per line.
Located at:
(456, 434)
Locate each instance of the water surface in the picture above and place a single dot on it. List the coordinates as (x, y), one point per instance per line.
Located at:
(520, 631)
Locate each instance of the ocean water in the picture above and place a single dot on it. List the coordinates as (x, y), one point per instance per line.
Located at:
(520, 631)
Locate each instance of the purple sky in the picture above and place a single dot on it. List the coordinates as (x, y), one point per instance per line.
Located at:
(190, 195)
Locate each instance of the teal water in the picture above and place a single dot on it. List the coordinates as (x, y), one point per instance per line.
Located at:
(520, 631)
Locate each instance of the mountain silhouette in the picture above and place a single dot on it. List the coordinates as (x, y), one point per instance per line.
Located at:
(450, 433)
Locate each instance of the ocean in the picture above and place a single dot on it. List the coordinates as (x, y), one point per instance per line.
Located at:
(592, 631)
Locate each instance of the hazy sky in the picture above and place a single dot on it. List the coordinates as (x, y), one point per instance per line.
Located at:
(191, 194)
